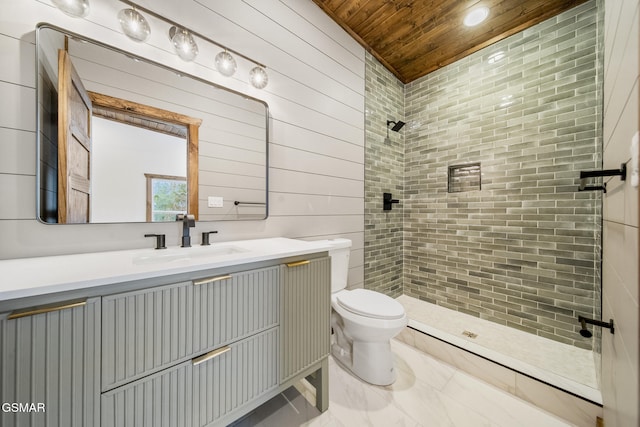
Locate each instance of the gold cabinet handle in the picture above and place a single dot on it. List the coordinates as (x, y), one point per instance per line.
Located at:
(33, 311)
(211, 279)
(298, 263)
(208, 356)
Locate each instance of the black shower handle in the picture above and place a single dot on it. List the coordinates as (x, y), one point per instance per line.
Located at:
(387, 200)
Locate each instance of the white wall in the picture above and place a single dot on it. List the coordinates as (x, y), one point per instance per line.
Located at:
(121, 155)
(620, 212)
(316, 100)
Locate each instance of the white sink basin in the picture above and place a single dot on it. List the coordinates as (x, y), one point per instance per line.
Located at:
(174, 255)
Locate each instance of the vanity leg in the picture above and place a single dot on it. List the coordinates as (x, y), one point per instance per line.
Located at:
(320, 380)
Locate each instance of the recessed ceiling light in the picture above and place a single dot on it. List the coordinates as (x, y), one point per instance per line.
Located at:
(476, 16)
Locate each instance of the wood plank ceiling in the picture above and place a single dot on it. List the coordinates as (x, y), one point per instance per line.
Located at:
(415, 37)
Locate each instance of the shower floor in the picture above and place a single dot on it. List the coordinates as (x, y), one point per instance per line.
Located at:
(561, 365)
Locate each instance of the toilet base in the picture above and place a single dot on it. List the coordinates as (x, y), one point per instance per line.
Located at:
(373, 362)
(369, 361)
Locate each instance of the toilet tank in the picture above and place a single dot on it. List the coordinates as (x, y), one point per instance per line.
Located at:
(339, 252)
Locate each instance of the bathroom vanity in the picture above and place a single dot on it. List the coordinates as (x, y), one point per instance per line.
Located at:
(178, 337)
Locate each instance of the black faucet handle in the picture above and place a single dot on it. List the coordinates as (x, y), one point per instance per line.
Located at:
(188, 219)
(205, 237)
(160, 240)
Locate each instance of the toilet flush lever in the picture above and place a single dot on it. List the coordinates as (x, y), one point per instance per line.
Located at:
(387, 201)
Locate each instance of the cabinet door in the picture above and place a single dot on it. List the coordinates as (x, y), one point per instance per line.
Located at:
(49, 360)
(305, 310)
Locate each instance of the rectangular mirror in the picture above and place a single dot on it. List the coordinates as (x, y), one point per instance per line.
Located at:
(124, 139)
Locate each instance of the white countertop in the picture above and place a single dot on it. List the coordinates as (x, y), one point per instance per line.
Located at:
(25, 277)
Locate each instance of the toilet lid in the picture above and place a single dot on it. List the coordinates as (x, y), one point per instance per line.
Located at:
(370, 304)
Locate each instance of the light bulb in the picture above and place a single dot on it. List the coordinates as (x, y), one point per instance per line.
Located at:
(75, 8)
(476, 16)
(134, 25)
(258, 77)
(185, 45)
(226, 64)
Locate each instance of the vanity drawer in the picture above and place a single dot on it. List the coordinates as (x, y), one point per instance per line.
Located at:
(149, 330)
(198, 392)
(229, 308)
(144, 331)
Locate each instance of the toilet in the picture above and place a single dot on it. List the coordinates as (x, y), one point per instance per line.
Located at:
(362, 322)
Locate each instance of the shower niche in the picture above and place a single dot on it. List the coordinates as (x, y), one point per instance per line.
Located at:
(463, 178)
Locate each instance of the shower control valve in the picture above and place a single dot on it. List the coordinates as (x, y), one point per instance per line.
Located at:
(387, 201)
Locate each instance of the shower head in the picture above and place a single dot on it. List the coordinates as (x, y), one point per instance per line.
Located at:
(584, 331)
(396, 125)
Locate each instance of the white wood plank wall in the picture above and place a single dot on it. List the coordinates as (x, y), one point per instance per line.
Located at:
(620, 288)
(316, 100)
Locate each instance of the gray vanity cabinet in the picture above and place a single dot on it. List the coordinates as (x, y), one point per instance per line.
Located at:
(200, 352)
(191, 353)
(305, 315)
(49, 358)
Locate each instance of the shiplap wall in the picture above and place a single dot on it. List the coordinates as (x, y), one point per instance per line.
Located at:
(620, 287)
(316, 101)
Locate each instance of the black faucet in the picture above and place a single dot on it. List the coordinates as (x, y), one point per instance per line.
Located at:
(187, 222)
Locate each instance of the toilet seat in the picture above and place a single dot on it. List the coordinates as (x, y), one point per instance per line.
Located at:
(370, 304)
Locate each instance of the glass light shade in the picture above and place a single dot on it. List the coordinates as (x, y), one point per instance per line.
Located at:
(185, 45)
(258, 77)
(496, 57)
(476, 16)
(134, 25)
(75, 8)
(226, 64)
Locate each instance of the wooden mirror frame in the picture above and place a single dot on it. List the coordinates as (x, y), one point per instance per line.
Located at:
(192, 125)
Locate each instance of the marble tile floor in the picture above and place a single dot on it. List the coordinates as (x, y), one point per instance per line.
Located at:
(428, 392)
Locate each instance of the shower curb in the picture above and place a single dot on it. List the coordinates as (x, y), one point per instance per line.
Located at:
(577, 410)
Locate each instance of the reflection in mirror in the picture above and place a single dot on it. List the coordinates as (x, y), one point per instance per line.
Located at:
(122, 139)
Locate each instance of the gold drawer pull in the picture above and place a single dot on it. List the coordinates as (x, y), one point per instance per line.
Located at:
(33, 311)
(214, 353)
(211, 279)
(298, 263)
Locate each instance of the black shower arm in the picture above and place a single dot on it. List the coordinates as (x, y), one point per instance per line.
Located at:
(584, 320)
(622, 172)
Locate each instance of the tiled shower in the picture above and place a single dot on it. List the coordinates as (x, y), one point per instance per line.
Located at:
(511, 239)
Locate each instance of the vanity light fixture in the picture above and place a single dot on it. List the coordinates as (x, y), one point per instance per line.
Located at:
(258, 77)
(134, 25)
(226, 64)
(476, 16)
(74, 8)
(184, 43)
